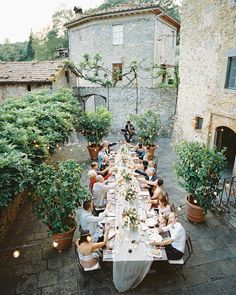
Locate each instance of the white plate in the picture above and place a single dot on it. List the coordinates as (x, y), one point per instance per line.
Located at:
(156, 237)
(111, 214)
(151, 222)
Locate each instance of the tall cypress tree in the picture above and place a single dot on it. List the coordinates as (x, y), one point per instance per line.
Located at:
(30, 49)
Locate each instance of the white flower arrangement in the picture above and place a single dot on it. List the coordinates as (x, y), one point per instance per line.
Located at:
(130, 194)
(130, 218)
(126, 174)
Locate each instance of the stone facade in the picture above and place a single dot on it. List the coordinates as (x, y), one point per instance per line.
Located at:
(146, 40)
(123, 101)
(207, 41)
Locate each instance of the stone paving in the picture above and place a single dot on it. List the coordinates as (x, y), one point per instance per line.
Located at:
(41, 270)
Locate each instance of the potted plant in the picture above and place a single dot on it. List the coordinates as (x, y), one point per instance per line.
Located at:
(198, 169)
(95, 126)
(147, 126)
(56, 193)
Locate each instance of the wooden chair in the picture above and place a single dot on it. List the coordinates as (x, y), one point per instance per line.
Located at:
(181, 262)
(87, 273)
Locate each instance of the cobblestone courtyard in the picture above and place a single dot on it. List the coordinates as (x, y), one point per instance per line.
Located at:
(41, 270)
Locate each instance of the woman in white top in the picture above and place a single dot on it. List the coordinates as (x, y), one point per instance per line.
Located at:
(164, 207)
(87, 249)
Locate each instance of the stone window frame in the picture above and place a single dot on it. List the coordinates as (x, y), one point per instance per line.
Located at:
(231, 67)
(227, 54)
(117, 34)
(198, 122)
(115, 75)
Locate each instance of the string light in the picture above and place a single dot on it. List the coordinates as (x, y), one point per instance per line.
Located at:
(55, 244)
(16, 253)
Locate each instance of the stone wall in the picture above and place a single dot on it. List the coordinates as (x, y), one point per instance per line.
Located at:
(207, 39)
(19, 90)
(145, 40)
(123, 101)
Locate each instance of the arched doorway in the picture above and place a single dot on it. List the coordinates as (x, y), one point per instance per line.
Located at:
(93, 101)
(226, 137)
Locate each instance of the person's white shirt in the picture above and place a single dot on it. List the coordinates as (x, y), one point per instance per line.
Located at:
(166, 210)
(90, 222)
(100, 193)
(177, 234)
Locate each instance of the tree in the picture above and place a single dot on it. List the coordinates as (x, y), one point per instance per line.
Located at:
(48, 41)
(30, 50)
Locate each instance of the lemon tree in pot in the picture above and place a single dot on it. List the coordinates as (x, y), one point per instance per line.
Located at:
(198, 170)
(95, 126)
(56, 193)
(147, 127)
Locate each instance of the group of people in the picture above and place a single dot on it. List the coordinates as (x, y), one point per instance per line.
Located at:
(94, 234)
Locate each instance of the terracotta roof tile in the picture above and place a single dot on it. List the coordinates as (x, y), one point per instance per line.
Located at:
(30, 71)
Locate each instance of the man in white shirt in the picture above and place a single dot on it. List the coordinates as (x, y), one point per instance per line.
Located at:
(100, 190)
(174, 245)
(90, 222)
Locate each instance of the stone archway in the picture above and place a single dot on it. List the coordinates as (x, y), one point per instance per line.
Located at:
(226, 137)
(93, 101)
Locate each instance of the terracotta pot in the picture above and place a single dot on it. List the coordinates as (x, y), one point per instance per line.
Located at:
(64, 240)
(93, 152)
(195, 214)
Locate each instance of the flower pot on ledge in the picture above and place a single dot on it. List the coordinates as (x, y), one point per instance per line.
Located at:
(194, 213)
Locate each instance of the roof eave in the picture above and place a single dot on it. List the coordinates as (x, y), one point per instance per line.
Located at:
(155, 10)
(25, 82)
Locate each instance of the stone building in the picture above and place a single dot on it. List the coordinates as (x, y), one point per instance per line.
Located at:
(144, 33)
(206, 108)
(17, 78)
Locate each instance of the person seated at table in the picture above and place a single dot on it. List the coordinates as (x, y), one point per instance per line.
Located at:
(108, 146)
(104, 169)
(162, 220)
(90, 222)
(140, 151)
(158, 192)
(150, 179)
(163, 206)
(92, 174)
(87, 249)
(100, 190)
(175, 244)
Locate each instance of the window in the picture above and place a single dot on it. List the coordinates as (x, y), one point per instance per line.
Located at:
(67, 76)
(28, 87)
(173, 39)
(198, 122)
(117, 34)
(230, 82)
(117, 72)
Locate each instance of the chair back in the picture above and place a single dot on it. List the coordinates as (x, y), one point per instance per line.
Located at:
(172, 208)
(189, 248)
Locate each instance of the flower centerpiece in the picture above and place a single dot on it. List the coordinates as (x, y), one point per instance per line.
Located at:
(130, 218)
(130, 194)
(126, 175)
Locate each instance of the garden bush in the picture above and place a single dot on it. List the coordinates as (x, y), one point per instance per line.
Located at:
(30, 129)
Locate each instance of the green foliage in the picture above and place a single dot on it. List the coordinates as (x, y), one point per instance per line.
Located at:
(48, 41)
(57, 192)
(198, 169)
(30, 50)
(147, 126)
(14, 170)
(13, 51)
(95, 125)
(30, 129)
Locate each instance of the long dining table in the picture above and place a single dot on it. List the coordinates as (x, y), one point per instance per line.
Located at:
(129, 248)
